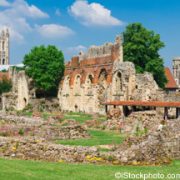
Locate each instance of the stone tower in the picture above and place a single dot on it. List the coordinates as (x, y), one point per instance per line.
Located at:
(4, 47)
(176, 70)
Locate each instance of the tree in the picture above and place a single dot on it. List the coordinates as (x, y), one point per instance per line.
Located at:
(5, 85)
(141, 46)
(45, 65)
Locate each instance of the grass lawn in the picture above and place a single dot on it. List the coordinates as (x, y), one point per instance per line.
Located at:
(32, 170)
(80, 117)
(97, 138)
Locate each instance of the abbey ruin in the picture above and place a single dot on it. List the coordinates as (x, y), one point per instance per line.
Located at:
(101, 75)
(96, 84)
(92, 78)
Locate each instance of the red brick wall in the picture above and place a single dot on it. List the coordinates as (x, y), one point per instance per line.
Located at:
(92, 66)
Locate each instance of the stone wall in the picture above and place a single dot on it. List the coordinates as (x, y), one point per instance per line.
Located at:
(100, 75)
(146, 88)
(44, 104)
(87, 78)
(18, 98)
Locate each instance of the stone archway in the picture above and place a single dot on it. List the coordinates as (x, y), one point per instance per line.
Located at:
(102, 78)
(117, 83)
(88, 85)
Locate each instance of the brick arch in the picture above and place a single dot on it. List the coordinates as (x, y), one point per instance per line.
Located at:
(77, 83)
(76, 76)
(109, 74)
(88, 75)
(97, 74)
(73, 76)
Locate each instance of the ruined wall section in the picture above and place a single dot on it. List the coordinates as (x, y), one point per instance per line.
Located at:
(19, 97)
(146, 88)
(100, 75)
(87, 78)
(124, 81)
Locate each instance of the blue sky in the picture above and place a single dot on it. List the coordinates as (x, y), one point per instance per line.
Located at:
(75, 25)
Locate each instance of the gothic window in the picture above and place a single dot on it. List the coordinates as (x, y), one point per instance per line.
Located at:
(3, 62)
(88, 84)
(89, 80)
(117, 83)
(103, 77)
(77, 85)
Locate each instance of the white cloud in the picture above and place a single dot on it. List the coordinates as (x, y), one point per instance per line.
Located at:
(4, 3)
(23, 8)
(16, 17)
(93, 14)
(76, 49)
(54, 31)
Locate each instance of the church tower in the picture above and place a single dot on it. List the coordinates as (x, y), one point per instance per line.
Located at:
(176, 70)
(4, 47)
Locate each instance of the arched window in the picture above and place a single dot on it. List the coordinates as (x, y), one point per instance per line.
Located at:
(117, 83)
(88, 85)
(103, 77)
(66, 85)
(89, 80)
(3, 62)
(77, 85)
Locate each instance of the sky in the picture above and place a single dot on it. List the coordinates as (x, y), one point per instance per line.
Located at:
(75, 25)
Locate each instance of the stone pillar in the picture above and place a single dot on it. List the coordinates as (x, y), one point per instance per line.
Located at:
(165, 113)
(177, 112)
(106, 108)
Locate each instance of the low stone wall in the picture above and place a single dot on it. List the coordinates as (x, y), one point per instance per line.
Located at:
(136, 121)
(40, 150)
(51, 129)
(45, 104)
(21, 119)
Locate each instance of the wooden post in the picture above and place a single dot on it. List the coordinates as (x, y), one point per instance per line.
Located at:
(106, 108)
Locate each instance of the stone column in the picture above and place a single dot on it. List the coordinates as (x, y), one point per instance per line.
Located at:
(165, 113)
(177, 112)
(106, 108)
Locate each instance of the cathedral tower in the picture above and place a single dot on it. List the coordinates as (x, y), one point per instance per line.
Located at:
(4, 47)
(176, 70)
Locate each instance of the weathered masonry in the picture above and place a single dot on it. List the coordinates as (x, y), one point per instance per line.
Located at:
(101, 75)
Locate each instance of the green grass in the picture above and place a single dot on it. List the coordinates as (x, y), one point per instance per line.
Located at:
(97, 138)
(32, 170)
(80, 117)
(25, 113)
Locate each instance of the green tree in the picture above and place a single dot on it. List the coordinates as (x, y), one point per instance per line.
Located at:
(5, 85)
(141, 46)
(45, 65)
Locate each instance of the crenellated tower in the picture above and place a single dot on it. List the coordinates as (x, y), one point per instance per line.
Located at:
(4, 47)
(176, 70)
